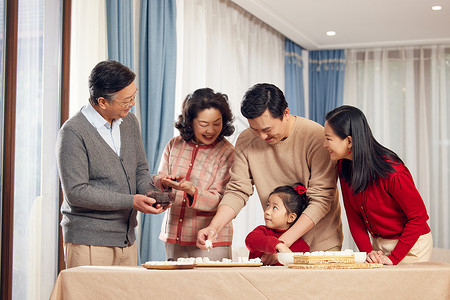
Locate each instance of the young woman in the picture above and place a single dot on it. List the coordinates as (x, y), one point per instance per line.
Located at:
(286, 203)
(196, 164)
(379, 194)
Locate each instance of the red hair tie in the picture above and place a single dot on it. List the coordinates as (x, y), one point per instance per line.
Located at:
(300, 189)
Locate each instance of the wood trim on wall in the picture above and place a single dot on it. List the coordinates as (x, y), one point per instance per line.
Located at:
(65, 86)
(9, 127)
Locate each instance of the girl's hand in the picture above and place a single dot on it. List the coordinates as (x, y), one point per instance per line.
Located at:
(378, 257)
(269, 259)
(281, 247)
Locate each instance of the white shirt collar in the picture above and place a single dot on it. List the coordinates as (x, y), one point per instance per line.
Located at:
(96, 119)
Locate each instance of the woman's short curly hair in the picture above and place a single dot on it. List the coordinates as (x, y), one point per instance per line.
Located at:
(198, 101)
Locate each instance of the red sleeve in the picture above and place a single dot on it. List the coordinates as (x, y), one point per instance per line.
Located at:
(402, 189)
(355, 222)
(262, 240)
(300, 246)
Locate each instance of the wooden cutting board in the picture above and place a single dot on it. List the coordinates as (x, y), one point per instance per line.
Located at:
(336, 266)
(169, 267)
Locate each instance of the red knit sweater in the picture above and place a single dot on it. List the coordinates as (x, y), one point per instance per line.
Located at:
(264, 240)
(391, 209)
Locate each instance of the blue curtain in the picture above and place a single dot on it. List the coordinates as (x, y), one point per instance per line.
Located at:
(326, 82)
(119, 19)
(157, 72)
(119, 22)
(293, 74)
(119, 25)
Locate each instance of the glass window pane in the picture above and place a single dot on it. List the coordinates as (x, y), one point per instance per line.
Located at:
(36, 194)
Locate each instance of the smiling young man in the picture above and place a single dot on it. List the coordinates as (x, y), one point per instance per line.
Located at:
(104, 173)
(281, 149)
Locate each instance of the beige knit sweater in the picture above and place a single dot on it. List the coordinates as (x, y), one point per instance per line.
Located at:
(301, 157)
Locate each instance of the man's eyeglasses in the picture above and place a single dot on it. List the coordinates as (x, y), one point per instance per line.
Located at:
(128, 103)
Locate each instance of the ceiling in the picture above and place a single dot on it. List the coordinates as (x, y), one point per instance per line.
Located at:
(357, 23)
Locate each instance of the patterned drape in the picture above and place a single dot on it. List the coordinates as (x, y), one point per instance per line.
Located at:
(326, 82)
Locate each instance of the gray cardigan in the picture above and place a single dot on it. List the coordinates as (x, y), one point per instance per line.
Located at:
(98, 185)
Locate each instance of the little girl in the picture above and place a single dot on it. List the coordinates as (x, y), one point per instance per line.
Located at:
(285, 205)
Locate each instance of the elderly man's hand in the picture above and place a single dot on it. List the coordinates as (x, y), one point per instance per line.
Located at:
(144, 204)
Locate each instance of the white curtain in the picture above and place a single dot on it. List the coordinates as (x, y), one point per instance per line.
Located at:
(36, 192)
(405, 94)
(223, 47)
(88, 47)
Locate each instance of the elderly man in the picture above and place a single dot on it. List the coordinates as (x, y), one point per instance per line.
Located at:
(104, 173)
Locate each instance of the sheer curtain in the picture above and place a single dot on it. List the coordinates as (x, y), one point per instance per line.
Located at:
(225, 48)
(405, 94)
(88, 46)
(36, 192)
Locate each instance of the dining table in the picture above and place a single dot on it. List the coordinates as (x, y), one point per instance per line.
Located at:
(430, 280)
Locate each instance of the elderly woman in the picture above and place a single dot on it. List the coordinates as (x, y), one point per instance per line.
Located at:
(196, 164)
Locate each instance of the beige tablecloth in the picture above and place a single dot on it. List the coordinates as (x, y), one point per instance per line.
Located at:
(408, 281)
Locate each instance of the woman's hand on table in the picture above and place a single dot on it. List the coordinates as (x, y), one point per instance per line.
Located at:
(374, 257)
(386, 260)
(378, 257)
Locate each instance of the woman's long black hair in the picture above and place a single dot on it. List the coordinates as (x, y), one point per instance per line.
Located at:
(370, 158)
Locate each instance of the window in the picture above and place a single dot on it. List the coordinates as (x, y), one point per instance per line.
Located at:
(36, 193)
(405, 95)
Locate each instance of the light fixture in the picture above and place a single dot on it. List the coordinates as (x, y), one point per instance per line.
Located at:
(436, 7)
(331, 33)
